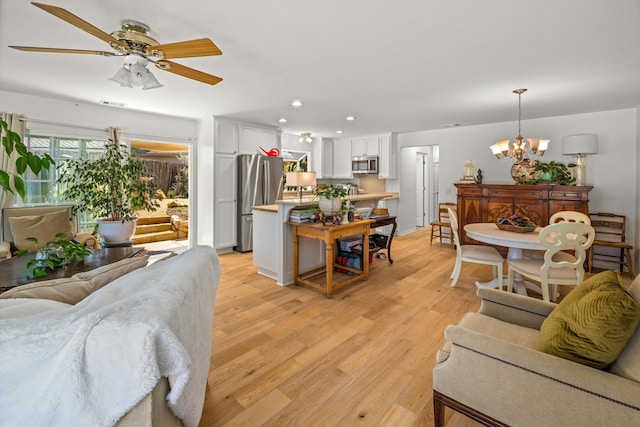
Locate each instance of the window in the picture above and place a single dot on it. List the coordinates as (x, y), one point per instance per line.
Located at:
(42, 189)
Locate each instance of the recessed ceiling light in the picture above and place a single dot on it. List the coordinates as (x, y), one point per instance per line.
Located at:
(350, 118)
(296, 103)
(338, 131)
(452, 125)
(282, 120)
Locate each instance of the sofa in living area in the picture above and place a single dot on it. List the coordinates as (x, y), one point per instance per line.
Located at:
(41, 222)
(520, 361)
(126, 344)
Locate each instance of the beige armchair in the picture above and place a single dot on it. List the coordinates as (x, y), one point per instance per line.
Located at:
(42, 222)
(491, 370)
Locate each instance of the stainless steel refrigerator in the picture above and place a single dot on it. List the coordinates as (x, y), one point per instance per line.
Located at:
(259, 181)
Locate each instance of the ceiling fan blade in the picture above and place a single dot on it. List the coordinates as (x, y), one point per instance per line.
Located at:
(190, 73)
(56, 50)
(186, 49)
(79, 22)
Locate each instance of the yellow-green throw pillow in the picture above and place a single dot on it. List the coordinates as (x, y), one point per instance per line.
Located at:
(592, 324)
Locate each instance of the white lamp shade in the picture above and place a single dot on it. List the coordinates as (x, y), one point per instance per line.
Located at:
(580, 144)
(301, 179)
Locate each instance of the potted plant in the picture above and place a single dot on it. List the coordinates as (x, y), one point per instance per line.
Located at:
(555, 172)
(25, 160)
(55, 253)
(330, 198)
(111, 187)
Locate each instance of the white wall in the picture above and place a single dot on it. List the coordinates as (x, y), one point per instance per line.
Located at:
(613, 171)
(203, 203)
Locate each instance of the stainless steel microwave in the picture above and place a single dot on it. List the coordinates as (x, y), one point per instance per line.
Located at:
(366, 164)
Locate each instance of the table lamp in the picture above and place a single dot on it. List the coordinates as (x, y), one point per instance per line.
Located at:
(300, 180)
(579, 146)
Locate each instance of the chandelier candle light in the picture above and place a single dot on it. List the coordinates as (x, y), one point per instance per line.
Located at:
(520, 149)
(579, 146)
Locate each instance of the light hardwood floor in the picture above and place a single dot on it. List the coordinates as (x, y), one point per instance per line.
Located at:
(288, 356)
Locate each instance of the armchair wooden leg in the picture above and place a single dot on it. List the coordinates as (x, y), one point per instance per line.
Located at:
(438, 410)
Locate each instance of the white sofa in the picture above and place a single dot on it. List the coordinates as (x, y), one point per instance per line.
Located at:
(135, 352)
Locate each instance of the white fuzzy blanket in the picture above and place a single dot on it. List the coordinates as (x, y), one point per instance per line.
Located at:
(89, 364)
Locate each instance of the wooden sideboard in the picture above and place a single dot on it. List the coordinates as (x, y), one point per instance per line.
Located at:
(488, 202)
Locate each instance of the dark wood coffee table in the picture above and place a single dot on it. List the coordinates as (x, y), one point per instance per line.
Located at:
(13, 272)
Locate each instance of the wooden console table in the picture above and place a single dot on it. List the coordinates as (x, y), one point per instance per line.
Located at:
(488, 202)
(329, 234)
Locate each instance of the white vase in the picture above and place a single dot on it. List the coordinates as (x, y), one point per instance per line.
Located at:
(116, 231)
(330, 206)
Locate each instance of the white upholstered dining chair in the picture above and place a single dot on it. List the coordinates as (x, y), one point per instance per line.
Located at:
(477, 254)
(550, 270)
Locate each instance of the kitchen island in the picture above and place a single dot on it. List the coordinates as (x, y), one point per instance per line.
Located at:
(273, 237)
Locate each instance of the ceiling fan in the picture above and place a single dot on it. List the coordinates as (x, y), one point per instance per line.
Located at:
(138, 49)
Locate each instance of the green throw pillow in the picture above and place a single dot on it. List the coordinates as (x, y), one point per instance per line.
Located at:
(592, 324)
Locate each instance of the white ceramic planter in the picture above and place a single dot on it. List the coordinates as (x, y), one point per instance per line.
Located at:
(117, 231)
(330, 206)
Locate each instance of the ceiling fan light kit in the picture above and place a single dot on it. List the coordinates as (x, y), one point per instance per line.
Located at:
(138, 49)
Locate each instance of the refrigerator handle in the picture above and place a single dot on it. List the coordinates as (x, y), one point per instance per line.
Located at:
(267, 183)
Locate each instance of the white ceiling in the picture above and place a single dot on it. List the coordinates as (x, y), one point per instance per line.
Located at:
(397, 65)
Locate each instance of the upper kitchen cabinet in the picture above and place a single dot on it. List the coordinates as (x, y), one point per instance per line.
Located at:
(249, 140)
(240, 138)
(323, 160)
(388, 159)
(226, 137)
(253, 138)
(369, 146)
(341, 158)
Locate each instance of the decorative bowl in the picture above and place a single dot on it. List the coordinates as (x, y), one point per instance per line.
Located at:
(516, 228)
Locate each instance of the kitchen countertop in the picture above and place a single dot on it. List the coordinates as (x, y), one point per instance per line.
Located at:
(309, 201)
(267, 208)
(353, 198)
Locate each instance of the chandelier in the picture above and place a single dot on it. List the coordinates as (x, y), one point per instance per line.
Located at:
(305, 137)
(520, 149)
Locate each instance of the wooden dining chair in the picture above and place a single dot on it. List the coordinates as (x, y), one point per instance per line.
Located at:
(439, 228)
(477, 254)
(550, 271)
(610, 240)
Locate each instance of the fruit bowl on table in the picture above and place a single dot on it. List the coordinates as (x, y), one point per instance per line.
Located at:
(516, 223)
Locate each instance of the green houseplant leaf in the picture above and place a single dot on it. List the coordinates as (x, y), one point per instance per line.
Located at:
(26, 160)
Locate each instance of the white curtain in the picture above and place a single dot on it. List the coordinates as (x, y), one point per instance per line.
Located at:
(8, 162)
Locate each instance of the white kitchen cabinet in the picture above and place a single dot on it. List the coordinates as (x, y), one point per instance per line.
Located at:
(249, 140)
(269, 139)
(369, 146)
(327, 158)
(224, 188)
(388, 159)
(342, 158)
(226, 137)
(372, 145)
(265, 236)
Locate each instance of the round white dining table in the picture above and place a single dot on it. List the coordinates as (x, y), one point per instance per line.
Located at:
(488, 232)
